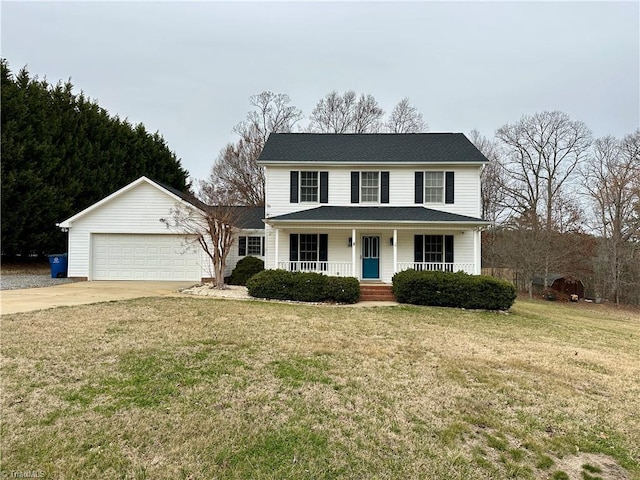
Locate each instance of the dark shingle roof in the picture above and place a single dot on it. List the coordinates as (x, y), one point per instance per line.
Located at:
(251, 217)
(375, 214)
(370, 148)
(248, 217)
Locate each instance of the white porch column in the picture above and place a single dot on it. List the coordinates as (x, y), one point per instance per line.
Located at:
(277, 248)
(353, 253)
(395, 250)
(477, 269)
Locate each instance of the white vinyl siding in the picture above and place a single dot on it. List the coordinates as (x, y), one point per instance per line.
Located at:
(401, 188)
(136, 211)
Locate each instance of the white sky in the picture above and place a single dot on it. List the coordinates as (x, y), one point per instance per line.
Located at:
(187, 69)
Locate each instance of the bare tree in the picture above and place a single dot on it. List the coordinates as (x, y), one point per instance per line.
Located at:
(612, 181)
(346, 113)
(492, 197)
(210, 221)
(238, 175)
(405, 118)
(236, 171)
(542, 152)
(493, 178)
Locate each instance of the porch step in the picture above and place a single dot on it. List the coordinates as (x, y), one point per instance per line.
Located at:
(376, 293)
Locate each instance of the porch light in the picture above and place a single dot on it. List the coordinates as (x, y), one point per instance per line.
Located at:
(350, 244)
(391, 241)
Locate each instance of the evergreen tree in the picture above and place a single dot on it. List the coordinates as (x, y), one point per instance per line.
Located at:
(62, 152)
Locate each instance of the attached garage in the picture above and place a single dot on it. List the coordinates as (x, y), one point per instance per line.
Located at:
(144, 257)
(122, 237)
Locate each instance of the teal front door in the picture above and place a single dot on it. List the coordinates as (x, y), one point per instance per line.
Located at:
(370, 257)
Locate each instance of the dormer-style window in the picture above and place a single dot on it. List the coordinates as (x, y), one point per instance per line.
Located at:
(434, 187)
(309, 187)
(370, 187)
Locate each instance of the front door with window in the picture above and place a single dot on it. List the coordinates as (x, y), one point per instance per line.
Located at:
(370, 257)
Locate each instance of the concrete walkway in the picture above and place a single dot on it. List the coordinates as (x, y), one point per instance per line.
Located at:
(82, 293)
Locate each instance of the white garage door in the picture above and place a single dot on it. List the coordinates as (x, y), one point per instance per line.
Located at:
(144, 257)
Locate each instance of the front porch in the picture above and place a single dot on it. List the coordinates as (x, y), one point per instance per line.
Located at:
(347, 269)
(374, 253)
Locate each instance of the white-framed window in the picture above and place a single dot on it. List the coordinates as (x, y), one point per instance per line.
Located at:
(433, 187)
(433, 248)
(308, 247)
(253, 246)
(370, 187)
(308, 186)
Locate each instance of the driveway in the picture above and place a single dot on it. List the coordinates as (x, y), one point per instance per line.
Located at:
(82, 293)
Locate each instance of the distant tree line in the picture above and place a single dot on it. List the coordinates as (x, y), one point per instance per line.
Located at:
(62, 152)
(561, 202)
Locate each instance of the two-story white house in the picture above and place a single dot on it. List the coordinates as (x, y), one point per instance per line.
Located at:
(361, 205)
(371, 205)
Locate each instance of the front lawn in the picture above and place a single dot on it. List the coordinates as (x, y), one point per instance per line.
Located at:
(204, 388)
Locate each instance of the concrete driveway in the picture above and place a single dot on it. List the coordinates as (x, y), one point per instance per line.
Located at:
(81, 293)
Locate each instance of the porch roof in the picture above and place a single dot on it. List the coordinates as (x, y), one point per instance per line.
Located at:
(334, 214)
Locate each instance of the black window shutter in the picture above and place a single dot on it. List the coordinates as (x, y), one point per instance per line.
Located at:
(324, 187)
(355, 187)
(242, 246)
(262, 252)
(448, 248)
(419, 188)
(448, 187)
(293, 195)
(293, 247)
(418, 248)
(323, 248)
(384, 187)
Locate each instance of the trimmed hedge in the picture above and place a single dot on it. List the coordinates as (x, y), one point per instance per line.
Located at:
(245, 269)
(445, 289)
(303, 287)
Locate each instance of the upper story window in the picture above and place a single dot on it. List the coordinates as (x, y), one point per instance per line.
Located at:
(433, 187)
(308, 186)
(370, 187)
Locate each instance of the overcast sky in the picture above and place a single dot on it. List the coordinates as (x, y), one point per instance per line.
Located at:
(187, 69)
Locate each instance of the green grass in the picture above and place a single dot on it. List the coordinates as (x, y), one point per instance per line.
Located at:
(202, 388)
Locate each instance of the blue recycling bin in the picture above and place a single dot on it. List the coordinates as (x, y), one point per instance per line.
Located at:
(58, 265)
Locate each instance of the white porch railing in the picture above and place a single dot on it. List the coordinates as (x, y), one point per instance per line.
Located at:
(335, 269)
(436, 267)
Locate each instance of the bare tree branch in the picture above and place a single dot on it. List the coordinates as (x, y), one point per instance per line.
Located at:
(236, 172)
(405, 118)
(211, 221)
(346, 113)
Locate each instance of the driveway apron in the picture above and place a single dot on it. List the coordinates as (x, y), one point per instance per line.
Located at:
(82, 293)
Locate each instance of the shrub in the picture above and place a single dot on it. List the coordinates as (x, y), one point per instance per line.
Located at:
(245, 269)
(303, 287)
(342, 289)
(445, 289)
